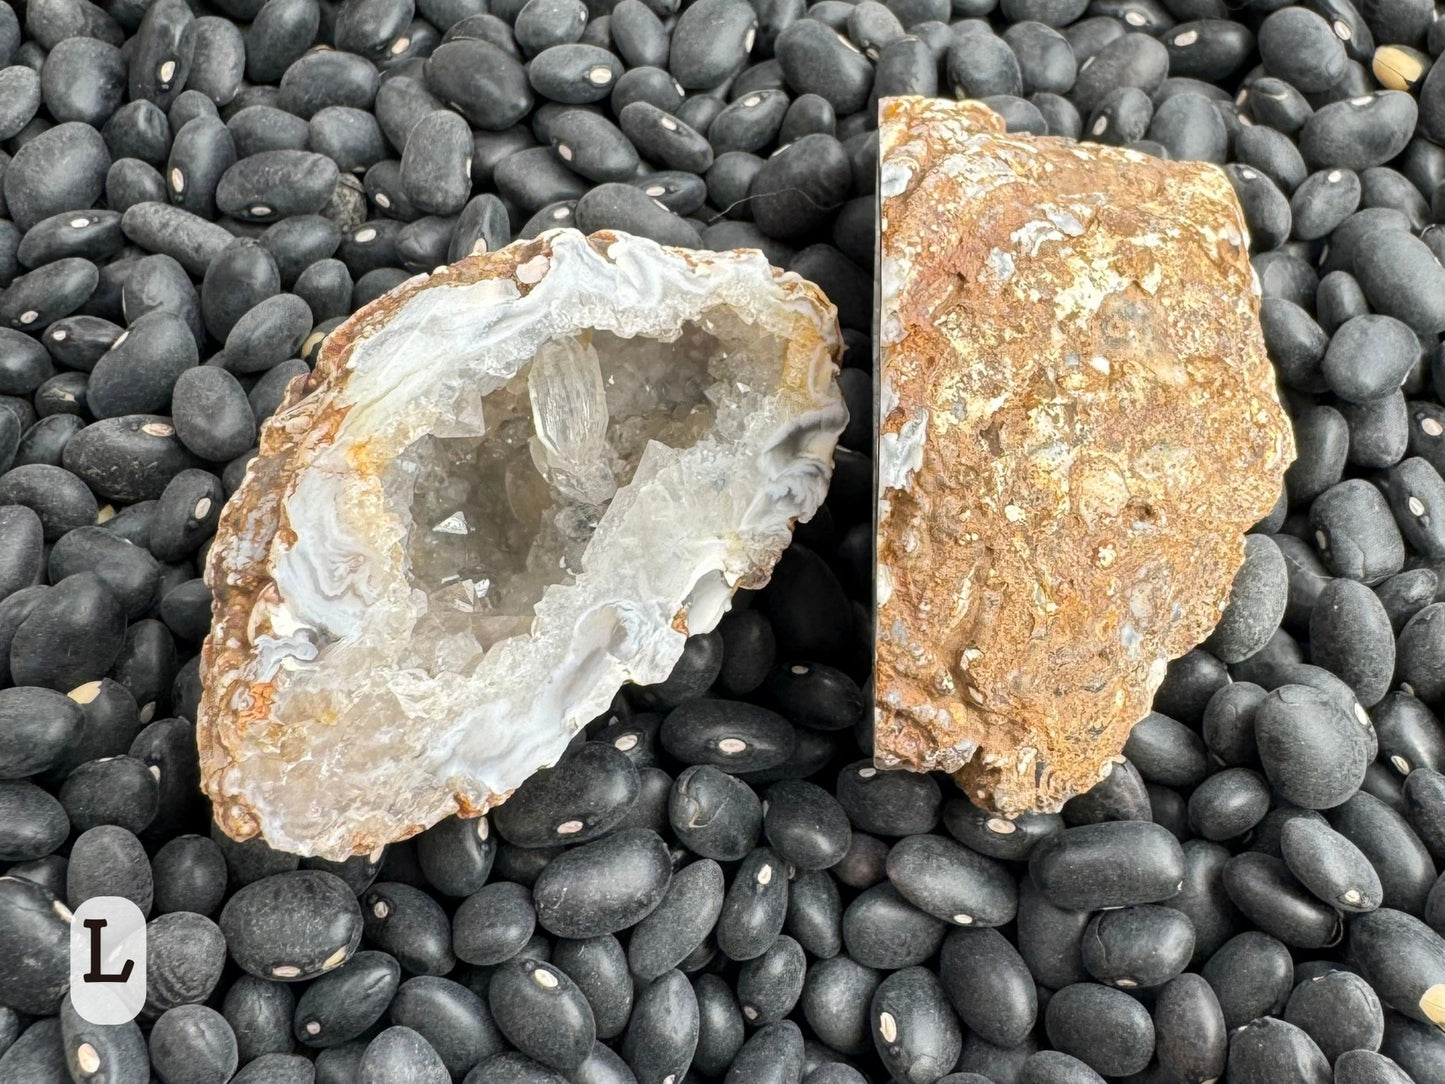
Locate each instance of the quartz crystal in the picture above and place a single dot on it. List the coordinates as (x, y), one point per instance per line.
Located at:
(509, 487)
(1077, 423)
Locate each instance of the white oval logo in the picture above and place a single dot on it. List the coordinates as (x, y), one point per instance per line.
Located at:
(108, 960)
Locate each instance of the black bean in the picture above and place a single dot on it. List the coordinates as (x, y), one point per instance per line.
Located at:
(1251, 975)
(185, 954)
(1409, 734)
(816, 59)
(343, 1004)
(71, 636)
(579, 800)
(711, 41)
(1264, 890)
(1049, 938)
(806, 825)
(836, 997)
(591, 145)
(1379, 430)
(815, 913)
(774, 1055)
(604, 886)
(1417, 655)
(1312, 751)
(213, 418)
(663, 1031)
(1404, 961)
(276, 1069)
(713, 814)
(1368, 1067)
(888, 803)
(480, 227)
(1188, 126)
(493, 924)
(400, 1054)
(189, 874)
(185, 514)
(681, 922)
(1283, 274)
(638, 35)
(720, 1025)
(201, 154)
(52, 495)
(1299, 47)
(535, 177)
(1107, 865)
(989, 985)
(754, 906)
(905, 65)
(542, 1012)
(1350, 634)
(732, 736)
(1266, 210)
(914, 1029)
(35, 823)
(1104, 1028)
(138, 373)
(274, 184)
(410, 925)
(598, 966)
(1122, 117)
(1189, 1029)
(1339, 1011)
(981, 64)
(38, 725)
(292, 926)
(983, 1059)
(769, 985)
(21, 546)
(1264, 1049)
(177, 233)
(1359, 372)
(193, 1043)
(1138, 946)
(260, 1013)
(951, 882)
(63, 393)
(240, 277)
(1356, 533)
(995, 836)
(1405, 867)
(34, 300)
(1229, 803)
(1132, 60)
(682, 194)
(881, 929)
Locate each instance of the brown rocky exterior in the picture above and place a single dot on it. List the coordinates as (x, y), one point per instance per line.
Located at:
(1077, 423)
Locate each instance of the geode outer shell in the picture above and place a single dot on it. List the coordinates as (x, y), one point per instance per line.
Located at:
(318, 729)
(1077, 422)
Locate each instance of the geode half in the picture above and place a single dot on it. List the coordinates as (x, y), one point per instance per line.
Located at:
(1078, 421)
(509, 487)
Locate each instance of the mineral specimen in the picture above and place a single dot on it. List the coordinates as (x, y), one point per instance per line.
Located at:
(1077, 421)
(509, 487)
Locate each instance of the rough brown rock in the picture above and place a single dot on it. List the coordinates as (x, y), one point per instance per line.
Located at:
(1078, 422)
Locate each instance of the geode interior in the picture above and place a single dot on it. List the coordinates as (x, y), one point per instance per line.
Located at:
(508, 488)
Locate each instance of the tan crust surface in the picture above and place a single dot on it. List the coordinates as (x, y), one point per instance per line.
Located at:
(1077, 423)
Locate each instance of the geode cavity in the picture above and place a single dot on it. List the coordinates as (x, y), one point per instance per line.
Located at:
(509, 487)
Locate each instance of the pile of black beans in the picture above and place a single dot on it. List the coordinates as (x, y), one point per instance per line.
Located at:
(715, 885)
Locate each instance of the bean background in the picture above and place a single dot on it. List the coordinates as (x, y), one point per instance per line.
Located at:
(715, 884)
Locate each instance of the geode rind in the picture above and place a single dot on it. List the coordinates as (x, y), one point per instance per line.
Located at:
(509, 487)
(1078, 421)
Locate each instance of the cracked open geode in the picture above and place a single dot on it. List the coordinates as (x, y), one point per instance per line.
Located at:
(509, 487)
